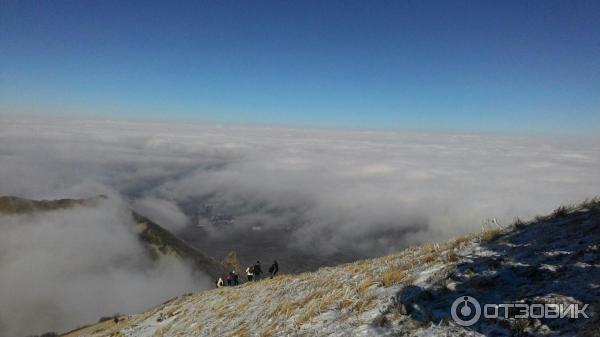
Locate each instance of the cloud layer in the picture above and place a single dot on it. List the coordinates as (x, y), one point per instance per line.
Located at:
(358, 192)
(63, 268)
(336, 188)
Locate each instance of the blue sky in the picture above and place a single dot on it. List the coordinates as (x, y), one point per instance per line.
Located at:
(506, 66)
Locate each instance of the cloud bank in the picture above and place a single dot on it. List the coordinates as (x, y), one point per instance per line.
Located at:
(358, 192)
(333, 188)
(63, 268)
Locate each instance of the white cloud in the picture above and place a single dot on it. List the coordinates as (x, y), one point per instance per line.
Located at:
(161, 211)
(64, 268)
(333, 185)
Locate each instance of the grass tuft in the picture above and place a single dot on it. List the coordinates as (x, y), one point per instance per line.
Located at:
(490, 235)
(393, 277)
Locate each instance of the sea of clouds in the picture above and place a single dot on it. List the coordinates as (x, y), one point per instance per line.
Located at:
(363, 191)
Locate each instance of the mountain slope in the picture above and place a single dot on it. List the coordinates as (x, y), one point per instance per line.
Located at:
(552, 259)
(161, 241)
(155, 238)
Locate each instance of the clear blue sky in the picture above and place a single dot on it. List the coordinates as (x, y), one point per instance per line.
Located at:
(514, 66)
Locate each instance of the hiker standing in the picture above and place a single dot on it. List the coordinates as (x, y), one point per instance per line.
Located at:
(257, 271)
(274, 269)
(236, 278)
(250, 273)
(229, 279)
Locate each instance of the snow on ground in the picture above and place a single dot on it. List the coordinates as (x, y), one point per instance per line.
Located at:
(553, 259)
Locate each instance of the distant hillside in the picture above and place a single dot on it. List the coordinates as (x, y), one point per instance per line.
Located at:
(156, 239)
(16, 205)
(160, 241)
(551, 259)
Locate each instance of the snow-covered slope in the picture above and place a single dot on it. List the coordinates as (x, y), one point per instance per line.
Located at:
(550, 259)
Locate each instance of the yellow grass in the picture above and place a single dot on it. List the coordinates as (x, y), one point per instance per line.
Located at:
(428, 258)
(451, 256)
(269, 330)
(490, 234)
(363, 304)
(393, 277)
(428, 248)
(161, 332)
(242, 331)
(365, 284)
(307, 315)
(458, 242)
(345, 303)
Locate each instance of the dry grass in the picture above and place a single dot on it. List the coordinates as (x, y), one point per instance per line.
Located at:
(220, 309)
(345, 303)
(357, 266)
(307, 315)
(234, 295)
(285, 308)
(590, 203)
(490, 235)
(518, 223)
(563, 211)
(363, 304)
(428, 258)
(330, 299)
(161, 332)
(242, 331)
(243, 306)
(428, 248)
(410, 279)
(365, 284)
(451, 256)
(269, 330)
(393, 277)
(456, 243)
(315, 295)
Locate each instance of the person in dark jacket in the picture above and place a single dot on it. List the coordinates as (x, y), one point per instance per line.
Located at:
(257, 271)
(229, 278)
(274, 269)
(236, 278)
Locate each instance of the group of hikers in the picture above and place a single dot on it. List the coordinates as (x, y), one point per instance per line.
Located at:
(253, 273)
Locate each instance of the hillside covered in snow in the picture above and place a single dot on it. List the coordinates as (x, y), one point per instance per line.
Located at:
(550, 259)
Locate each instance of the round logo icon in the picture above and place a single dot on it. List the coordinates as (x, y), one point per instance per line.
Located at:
(465, 310)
